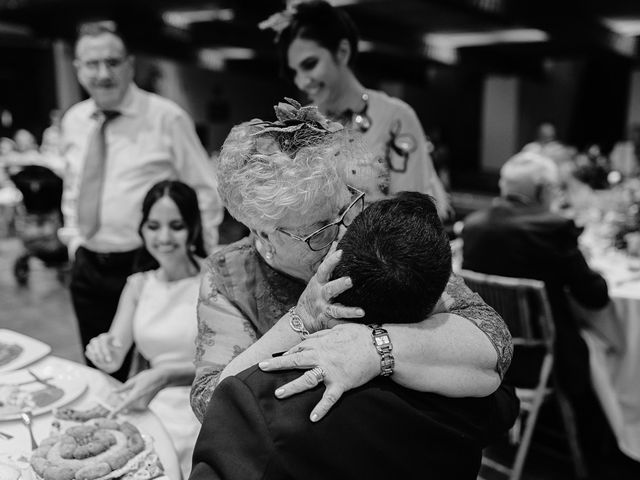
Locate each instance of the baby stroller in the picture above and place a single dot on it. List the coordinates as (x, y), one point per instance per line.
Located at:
(38, 219)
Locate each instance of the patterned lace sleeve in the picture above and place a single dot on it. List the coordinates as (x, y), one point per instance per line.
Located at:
(460, 300)
(223, 333)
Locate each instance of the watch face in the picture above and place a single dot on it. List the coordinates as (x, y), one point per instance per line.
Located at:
(382, 340)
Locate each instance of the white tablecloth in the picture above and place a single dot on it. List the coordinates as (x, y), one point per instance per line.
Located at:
(99, 385)
(614, 346)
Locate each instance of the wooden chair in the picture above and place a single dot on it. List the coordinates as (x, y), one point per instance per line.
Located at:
(524, 306)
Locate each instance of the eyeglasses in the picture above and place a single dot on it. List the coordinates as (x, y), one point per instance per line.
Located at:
(110, 63)
(323, 237)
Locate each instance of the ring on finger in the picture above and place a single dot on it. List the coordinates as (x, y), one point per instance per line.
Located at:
(319, 373)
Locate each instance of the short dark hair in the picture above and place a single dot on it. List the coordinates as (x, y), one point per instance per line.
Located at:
(317, 20)
(95, 29)
(186, 200)
(398, 256)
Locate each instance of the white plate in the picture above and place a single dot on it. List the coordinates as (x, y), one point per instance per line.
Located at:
(31, 349)
(64, 386)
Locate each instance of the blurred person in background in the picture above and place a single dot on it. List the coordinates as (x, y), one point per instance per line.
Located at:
(25, 141)
(625, 156)
(51, 134)
(317, 46)
(547, 144)
(592, 168)
(156, 312)
(519, 236)
(117, 144)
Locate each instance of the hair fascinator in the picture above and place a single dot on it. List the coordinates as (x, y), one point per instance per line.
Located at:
(279, 21)
(295, 128)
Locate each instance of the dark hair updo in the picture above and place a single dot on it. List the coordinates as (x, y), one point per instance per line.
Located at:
(317, 20)
(186, 200)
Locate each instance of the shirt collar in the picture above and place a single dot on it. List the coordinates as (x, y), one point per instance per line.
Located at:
(129, 104)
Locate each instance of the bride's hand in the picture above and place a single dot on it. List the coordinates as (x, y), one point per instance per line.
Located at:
(105, 351)
(138, 391)
(315, 307)
(345, 354)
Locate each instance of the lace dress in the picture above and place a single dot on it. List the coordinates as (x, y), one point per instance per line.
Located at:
(164, 331)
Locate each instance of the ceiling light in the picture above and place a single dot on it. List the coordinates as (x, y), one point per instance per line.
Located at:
(216, 58)
(184, 18)
(443, 46)
(628, 27)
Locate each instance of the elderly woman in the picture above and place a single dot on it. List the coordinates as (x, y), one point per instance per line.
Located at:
(295, 183)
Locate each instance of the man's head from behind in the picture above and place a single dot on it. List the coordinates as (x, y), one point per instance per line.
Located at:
(103, 64)
(397, 254)
(530, 177)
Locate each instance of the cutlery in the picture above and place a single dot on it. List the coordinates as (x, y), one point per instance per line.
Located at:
(39, 379)
(26, 419)
(6, 436)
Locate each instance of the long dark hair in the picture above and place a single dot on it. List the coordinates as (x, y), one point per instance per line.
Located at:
(186, 200)
(324, 24)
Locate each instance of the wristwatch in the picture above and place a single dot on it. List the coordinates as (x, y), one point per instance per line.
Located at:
(383, 345)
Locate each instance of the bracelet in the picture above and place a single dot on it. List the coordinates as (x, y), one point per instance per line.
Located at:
(297, 324)
(383, 345)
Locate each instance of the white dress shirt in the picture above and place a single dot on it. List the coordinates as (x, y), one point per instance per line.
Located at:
(152, 140)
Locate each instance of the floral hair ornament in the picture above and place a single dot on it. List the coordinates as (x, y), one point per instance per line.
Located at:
(279, 21)
(296, 127)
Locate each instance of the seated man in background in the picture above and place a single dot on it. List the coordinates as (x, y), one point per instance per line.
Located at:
(519, 236)
(398, 258)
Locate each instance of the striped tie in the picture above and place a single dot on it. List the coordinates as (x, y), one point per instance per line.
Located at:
(90, 195)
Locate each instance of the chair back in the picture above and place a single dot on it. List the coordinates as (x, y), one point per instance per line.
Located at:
(521, 302)
(524, 306)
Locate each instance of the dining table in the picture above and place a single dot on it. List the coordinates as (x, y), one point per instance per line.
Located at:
(612, 335)
(87, 388)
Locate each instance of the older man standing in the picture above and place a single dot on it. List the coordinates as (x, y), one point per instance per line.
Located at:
(117, 144)
(520, 236)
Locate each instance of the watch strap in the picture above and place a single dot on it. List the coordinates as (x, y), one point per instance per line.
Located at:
(384, 347)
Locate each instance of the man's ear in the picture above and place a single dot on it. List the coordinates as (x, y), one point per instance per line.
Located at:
(343, 52)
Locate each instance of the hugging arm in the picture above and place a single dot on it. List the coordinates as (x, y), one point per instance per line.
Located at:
(462, 349)
(223, 333)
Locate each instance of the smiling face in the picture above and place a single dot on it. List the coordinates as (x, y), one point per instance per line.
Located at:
(104, 69)
(165, 233)
(316, 70)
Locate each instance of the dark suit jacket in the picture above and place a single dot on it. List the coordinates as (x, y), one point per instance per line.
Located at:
(514, 240)
(378, 431)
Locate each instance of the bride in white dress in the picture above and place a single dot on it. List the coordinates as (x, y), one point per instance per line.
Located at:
(157, 313)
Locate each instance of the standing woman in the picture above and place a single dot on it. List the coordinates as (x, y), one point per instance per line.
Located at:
(317, 46)
(156, 312)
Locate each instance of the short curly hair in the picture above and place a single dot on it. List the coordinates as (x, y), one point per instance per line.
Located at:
(261, 185)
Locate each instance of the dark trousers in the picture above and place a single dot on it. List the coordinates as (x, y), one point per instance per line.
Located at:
(97, 280)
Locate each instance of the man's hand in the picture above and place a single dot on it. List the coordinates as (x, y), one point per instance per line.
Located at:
(346, 355)
(315, 307)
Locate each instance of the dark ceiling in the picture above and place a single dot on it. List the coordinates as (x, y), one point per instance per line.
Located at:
(394, 30)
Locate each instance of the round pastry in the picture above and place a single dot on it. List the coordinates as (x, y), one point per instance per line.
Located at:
(76, 415)
(88, 451)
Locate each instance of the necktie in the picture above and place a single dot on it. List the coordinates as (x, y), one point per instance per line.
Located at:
(92, 180)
